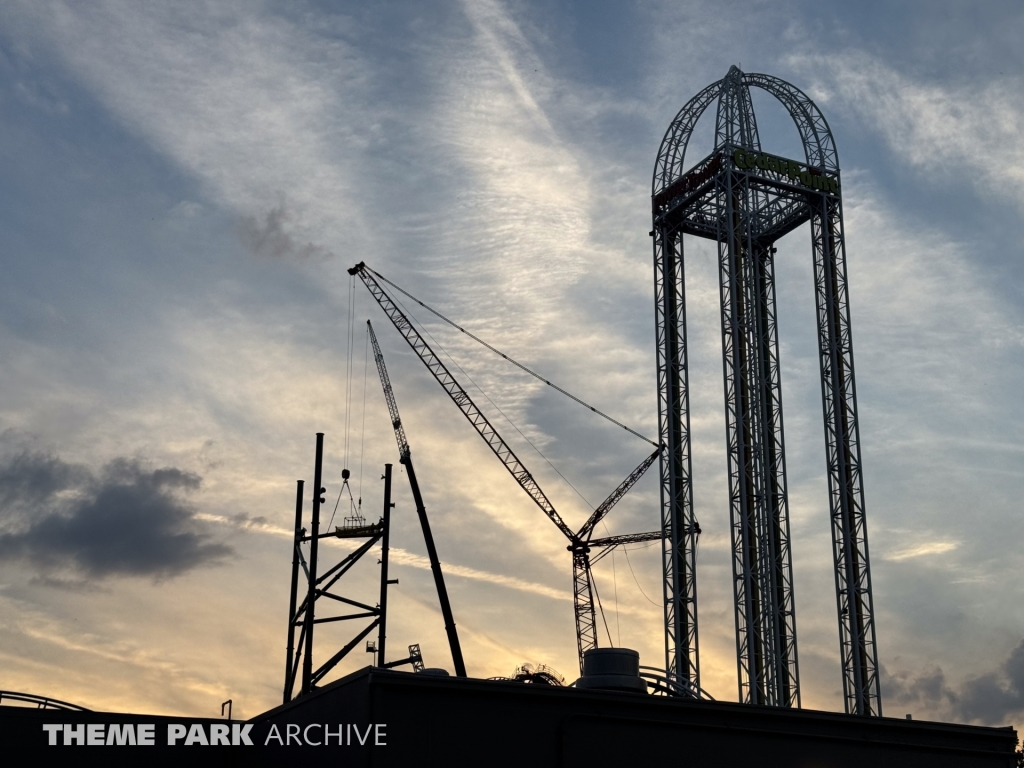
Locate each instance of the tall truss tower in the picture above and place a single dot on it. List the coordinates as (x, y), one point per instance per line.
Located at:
(746, 199)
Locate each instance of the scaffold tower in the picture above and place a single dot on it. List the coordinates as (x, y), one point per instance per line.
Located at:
(746, 199)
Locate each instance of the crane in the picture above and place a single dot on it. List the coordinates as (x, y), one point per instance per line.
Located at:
(581, 542)
(405, 459)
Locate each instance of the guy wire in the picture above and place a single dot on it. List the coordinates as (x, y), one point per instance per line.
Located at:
(516, 363)
(486, 397)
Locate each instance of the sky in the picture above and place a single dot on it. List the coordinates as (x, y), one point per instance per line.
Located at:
(186, 184)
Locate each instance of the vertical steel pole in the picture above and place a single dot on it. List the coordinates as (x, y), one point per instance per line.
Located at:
(842, 442)
(382, 627)
(682, 661)
(435, 567)
(307, 661)
(289, 682)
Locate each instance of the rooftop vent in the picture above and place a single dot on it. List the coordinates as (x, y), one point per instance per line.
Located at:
(611, 669)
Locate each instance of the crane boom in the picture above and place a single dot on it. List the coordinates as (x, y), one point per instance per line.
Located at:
(405, 458)
(579, 543)
(389, 395)
(606, 545)
(626, 538)
(613, 498)
(460, 397)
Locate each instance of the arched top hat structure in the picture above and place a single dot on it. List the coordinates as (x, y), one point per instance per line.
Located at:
(736, 125)
(746, 198)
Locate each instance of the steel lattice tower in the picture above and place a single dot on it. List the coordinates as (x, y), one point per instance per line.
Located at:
(745, 200)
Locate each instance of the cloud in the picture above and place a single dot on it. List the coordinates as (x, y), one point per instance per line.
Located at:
(249, 103)
(995, 696)
(992, 698)
(940, 128)
(29, 478)
(403, 557)
(127, 520)
(398, 556)
(921, 550)
(269, 239)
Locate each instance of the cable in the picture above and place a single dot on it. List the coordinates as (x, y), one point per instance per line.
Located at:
(626, 553)
(362, 434)
(340, 491)
(516, 428)
(514, 362)
(597, 594)
(349, 338)
(351, 505)
(348, 393)
(615, 587)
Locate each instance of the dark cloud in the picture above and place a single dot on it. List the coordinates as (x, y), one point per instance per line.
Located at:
(268, 238)
(127, 520)
(29, 478)
(992, 698)
(928, 688)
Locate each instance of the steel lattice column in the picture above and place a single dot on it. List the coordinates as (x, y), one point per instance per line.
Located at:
(765, 626)
(679, 542)
(586, 624)
(842, 446)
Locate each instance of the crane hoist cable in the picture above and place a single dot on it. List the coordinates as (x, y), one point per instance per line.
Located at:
(514, 362)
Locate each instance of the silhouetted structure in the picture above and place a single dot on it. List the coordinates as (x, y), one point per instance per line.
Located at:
(745, 199)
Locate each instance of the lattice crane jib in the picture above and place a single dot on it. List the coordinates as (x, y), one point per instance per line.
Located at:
(745, 199)
(460, 397)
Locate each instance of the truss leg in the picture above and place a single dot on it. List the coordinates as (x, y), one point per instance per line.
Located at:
(289, 676)
(383, 618)
(307, 661)
(765, 628)
(679, 529)
(842, 447)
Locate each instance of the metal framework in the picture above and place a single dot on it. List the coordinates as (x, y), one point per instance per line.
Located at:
(581, 542)
(302, 617)
(746, 199)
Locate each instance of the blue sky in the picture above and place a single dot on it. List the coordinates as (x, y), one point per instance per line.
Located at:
(185, 185)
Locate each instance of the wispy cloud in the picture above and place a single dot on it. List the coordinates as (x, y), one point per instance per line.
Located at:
(921, 550)
(401, 556)
(254, 105)
(947, 130)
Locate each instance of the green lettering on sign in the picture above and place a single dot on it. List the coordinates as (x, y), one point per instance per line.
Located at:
(791, 169)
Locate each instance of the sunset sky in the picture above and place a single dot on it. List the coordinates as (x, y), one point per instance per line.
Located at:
(184, 186)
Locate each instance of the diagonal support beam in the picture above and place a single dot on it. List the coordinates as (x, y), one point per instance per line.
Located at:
(613, 498)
